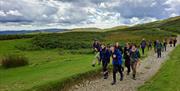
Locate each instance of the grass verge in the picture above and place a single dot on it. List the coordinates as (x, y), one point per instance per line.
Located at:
(168, 77)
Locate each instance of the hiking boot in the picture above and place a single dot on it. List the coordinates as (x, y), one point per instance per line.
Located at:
(113, 83)
(121, 78)
(105, 76)
(134, 77)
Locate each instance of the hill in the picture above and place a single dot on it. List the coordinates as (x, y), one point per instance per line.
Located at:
(91, 29)
(13, 32)
(170, 24)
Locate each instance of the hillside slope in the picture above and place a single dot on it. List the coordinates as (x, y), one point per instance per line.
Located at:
(170, 24)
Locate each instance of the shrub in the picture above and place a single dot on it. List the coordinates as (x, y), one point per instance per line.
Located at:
(14, 60)
(27, 47)
(81, 51)
(16, 36)
(75, 51)
(58, 41)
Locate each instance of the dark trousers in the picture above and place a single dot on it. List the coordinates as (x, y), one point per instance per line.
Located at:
(128, 65)
(105, 69)
(117, 68)
(143, 50)
(164, 48)
(158, 53)
(174, 44)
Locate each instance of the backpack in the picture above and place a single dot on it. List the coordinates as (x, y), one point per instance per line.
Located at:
(135, 55)
(159, 45)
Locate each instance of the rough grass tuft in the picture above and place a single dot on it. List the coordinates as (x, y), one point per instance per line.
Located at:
(13, 60)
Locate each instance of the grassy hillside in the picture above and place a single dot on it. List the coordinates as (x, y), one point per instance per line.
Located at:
(168, 77)
(87, 29)
(171, 25)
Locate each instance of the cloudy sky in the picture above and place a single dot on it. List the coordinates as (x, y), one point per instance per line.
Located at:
(38, 14)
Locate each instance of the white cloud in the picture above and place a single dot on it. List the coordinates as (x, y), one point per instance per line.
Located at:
(136, 20)
(173, 15)
(84, 13)
(2, 13)
(14, 13)
(173, 6)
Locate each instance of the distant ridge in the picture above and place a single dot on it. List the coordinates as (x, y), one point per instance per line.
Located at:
(171, 24)
(53, 30)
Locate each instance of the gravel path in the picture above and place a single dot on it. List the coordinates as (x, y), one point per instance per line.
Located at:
(148, 67)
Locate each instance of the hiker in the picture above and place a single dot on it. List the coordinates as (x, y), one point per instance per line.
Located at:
(109, 50)
(155, 42)
(105, 58)
(149, 45)
(96, 49)
(143, 45)
(165, 44)
(119, 47)
(171, 42)
(117, 64)
(134, 56)
(159, 48)
(127, 58)
(174, 42)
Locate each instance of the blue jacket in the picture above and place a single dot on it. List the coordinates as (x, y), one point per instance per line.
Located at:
(118, 58)
(105, 55)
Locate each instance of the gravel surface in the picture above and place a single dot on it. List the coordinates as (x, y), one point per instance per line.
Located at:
(148, 67)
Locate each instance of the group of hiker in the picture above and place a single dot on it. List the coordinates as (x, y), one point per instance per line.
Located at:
(130, 53)
(161, 46)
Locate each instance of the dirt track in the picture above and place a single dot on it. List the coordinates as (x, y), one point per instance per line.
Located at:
(148, 67)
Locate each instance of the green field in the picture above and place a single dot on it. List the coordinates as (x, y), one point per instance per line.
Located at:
(46, 66)
(168, 77)
(58, 59)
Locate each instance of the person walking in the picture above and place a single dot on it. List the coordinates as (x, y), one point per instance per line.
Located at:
(174, 42)
(119, 47)
(155, 42)
(127, 58)
(117, 64)
(159, 48)
(171, 42)
(149, 45)
(109, 50)
(105, 58)
(165, 44)
(143, 45)
(96, 49)
(134, 56)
